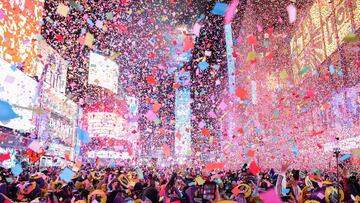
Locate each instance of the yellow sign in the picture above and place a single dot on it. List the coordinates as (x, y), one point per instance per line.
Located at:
(343, 20)
(317, 33)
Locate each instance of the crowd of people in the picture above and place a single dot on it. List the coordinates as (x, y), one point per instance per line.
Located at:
(178, 184)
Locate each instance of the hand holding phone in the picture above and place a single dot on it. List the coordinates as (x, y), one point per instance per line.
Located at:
(209, 192)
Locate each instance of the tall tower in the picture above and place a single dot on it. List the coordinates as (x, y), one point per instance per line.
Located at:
(182, 115)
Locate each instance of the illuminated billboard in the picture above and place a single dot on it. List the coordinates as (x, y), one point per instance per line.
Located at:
(344, 145)
(103, 72)
(20, 91)
(183, 114)
(106, 154)
(56, 67)
(231, 71)
(105, 124)
(19, 30)
(315, 38)
(58, 150)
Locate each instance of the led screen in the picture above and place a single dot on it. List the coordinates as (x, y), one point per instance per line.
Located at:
(18, 89)
(19, 32)
(103, 124)
(183, 114)
(103, 72)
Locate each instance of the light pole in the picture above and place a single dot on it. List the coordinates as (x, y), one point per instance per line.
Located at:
(39, 94)
(337, 152)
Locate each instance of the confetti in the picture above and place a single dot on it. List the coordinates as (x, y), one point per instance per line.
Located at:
(35, 146)
(219, 9)
(291, 9)
(4, 157)
(6, 111)
(283, 75)
(254, 168)
(203, 65)
(17, 170)
(66, 175)
(241, 93)
(89, 38)
(83, 135)
(230, 11)
(166, 150)
(2, 14)
(181, 88)
(62, 10)
(345, 157)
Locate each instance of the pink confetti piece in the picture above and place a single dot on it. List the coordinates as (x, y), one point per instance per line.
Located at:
(35, 146)
(9, 79)
(150, 115)
(321, 195)
(196, 29)
(230, 11)
(211, 114)
(99, 24)
(270, 197)
(2, 14)
(222, 105)
(291, 9)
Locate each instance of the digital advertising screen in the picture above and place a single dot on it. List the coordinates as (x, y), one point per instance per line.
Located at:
(19, 90)
(19, 32)
(105, 124)
(103, 72)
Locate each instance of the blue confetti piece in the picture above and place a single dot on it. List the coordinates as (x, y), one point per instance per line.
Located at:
(13, 67)
(66, 175)
(331, 69)
(90, 22)
(6, 111)
(349, 104)
(168, 36)
(285, 191)
(112, 164)
(83, 135)
(203, 65)
(340, 73)
(202, 17)
(316, 74)
(83, 30)
(345, 157)
(219, 9)
(17, 170)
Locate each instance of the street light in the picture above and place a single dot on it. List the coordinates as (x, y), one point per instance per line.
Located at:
(337, 152)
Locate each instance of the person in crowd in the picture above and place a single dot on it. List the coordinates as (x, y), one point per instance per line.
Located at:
(155, 185)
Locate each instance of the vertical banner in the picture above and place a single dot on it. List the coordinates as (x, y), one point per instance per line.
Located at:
(78, 141)
(231, 71)
(253, 92)
(182, 114)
